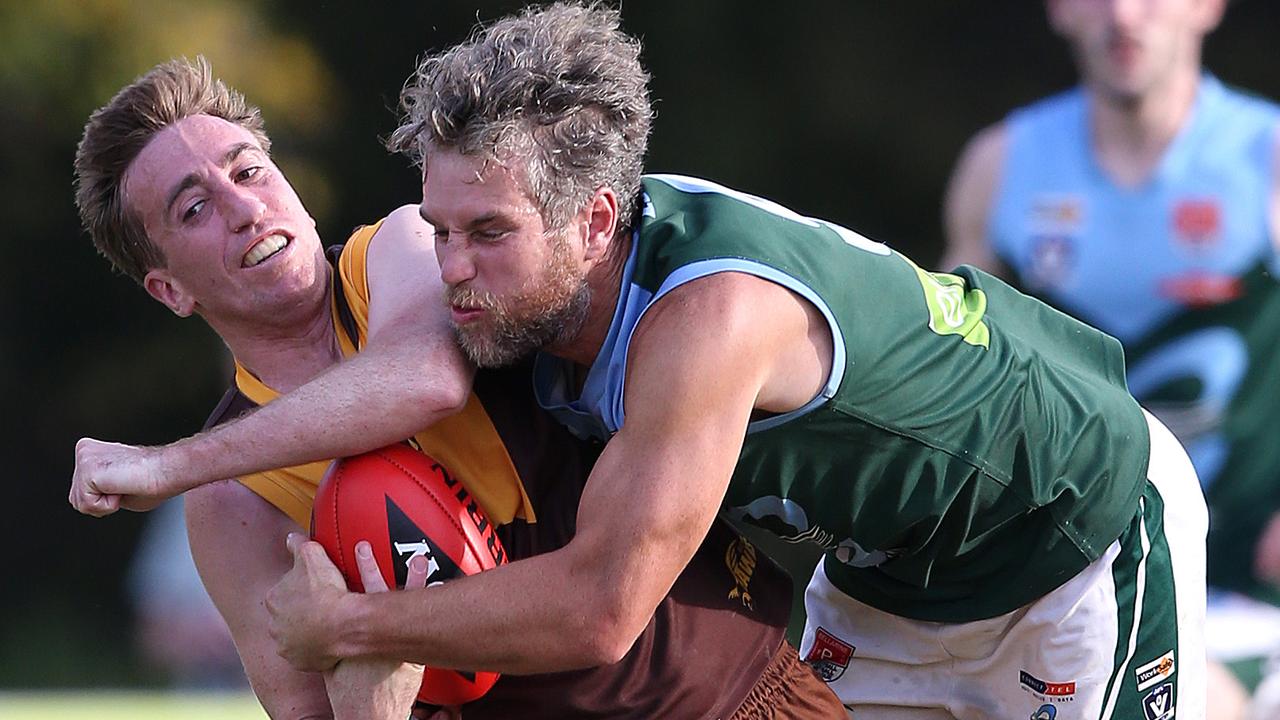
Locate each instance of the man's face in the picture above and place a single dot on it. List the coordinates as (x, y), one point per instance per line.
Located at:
(237, 242)
(512, 284)
(1125, 48)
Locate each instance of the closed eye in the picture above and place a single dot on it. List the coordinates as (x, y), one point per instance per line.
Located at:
(488, 235)
(192, 211)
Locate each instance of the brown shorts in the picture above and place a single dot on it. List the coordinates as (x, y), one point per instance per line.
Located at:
(789, 689)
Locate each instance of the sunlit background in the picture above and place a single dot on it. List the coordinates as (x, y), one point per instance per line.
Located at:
(852, 110)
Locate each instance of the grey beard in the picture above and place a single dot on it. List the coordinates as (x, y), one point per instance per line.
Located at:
(514, 339)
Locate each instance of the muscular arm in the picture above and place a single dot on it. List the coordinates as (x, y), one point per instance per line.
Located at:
(409, 375)
(968, 202)
(691, 388)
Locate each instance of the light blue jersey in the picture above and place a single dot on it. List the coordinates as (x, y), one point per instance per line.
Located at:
(1181, 269)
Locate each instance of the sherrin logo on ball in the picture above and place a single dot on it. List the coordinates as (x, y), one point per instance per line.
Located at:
(406, 504)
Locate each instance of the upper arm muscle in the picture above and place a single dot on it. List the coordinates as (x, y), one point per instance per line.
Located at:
(405, 289)
(696, 366)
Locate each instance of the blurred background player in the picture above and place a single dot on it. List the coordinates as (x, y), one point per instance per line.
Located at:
(1145, 202)
(178, 629)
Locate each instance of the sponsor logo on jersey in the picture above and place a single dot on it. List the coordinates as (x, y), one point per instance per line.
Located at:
(1199, 289)
(955, 308)
(829, 655)
(1051, 261)
(1045, 712)
(740, 558)
(1056, 214)
(1153, 672)
(788, 520)
(1197, 223)
(1158, 704)
(1058, 692)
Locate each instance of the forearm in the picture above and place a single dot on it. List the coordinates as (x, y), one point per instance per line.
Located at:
(543, 614)
(371, 400)
(580, 606)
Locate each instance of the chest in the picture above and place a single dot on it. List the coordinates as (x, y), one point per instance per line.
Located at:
(1124, 260)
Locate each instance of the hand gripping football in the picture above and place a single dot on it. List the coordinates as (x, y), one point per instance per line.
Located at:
(405, 504)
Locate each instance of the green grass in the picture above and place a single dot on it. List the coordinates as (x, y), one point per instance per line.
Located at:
(128, 705)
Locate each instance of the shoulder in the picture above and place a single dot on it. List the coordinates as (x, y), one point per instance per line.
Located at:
(724, 295)
(984, 153)
(1240, 99)
(984, 156)
(404, 220)
(1235, 120)
(721, 313)
(401, 237)
(399, 266)
(973, 182)
(399, 224)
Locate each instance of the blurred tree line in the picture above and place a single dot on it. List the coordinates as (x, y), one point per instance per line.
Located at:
(851, 110)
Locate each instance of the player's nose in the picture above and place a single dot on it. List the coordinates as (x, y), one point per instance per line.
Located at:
(456, 264)
(244, 210)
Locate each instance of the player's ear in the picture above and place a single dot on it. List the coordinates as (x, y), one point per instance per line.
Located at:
(601, 219)
(162, 286)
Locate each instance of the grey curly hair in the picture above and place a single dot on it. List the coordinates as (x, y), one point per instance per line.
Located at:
(560, 87)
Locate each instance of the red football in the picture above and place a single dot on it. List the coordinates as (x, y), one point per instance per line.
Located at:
(406, 504)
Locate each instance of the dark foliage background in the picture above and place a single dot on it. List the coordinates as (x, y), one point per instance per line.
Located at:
(851, 110)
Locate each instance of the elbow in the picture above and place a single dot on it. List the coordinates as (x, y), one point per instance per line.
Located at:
(440, 396)
(611, 631)
(616, 648)
(446, 397)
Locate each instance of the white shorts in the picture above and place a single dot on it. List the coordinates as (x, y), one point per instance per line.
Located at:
(1123, 639)
(1241, 628)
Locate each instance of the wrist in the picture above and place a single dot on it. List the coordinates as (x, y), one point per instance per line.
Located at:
(173, 469)
(350, 634)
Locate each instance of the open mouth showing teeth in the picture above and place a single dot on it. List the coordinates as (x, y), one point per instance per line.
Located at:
(265, 248)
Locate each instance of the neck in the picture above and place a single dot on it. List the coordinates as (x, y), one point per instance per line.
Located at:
(1130, 135)
(288, 354)
(605, 281)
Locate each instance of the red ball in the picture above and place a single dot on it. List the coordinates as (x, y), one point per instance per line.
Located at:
(406, 504)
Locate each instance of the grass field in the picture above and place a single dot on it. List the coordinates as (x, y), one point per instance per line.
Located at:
(126, 705)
